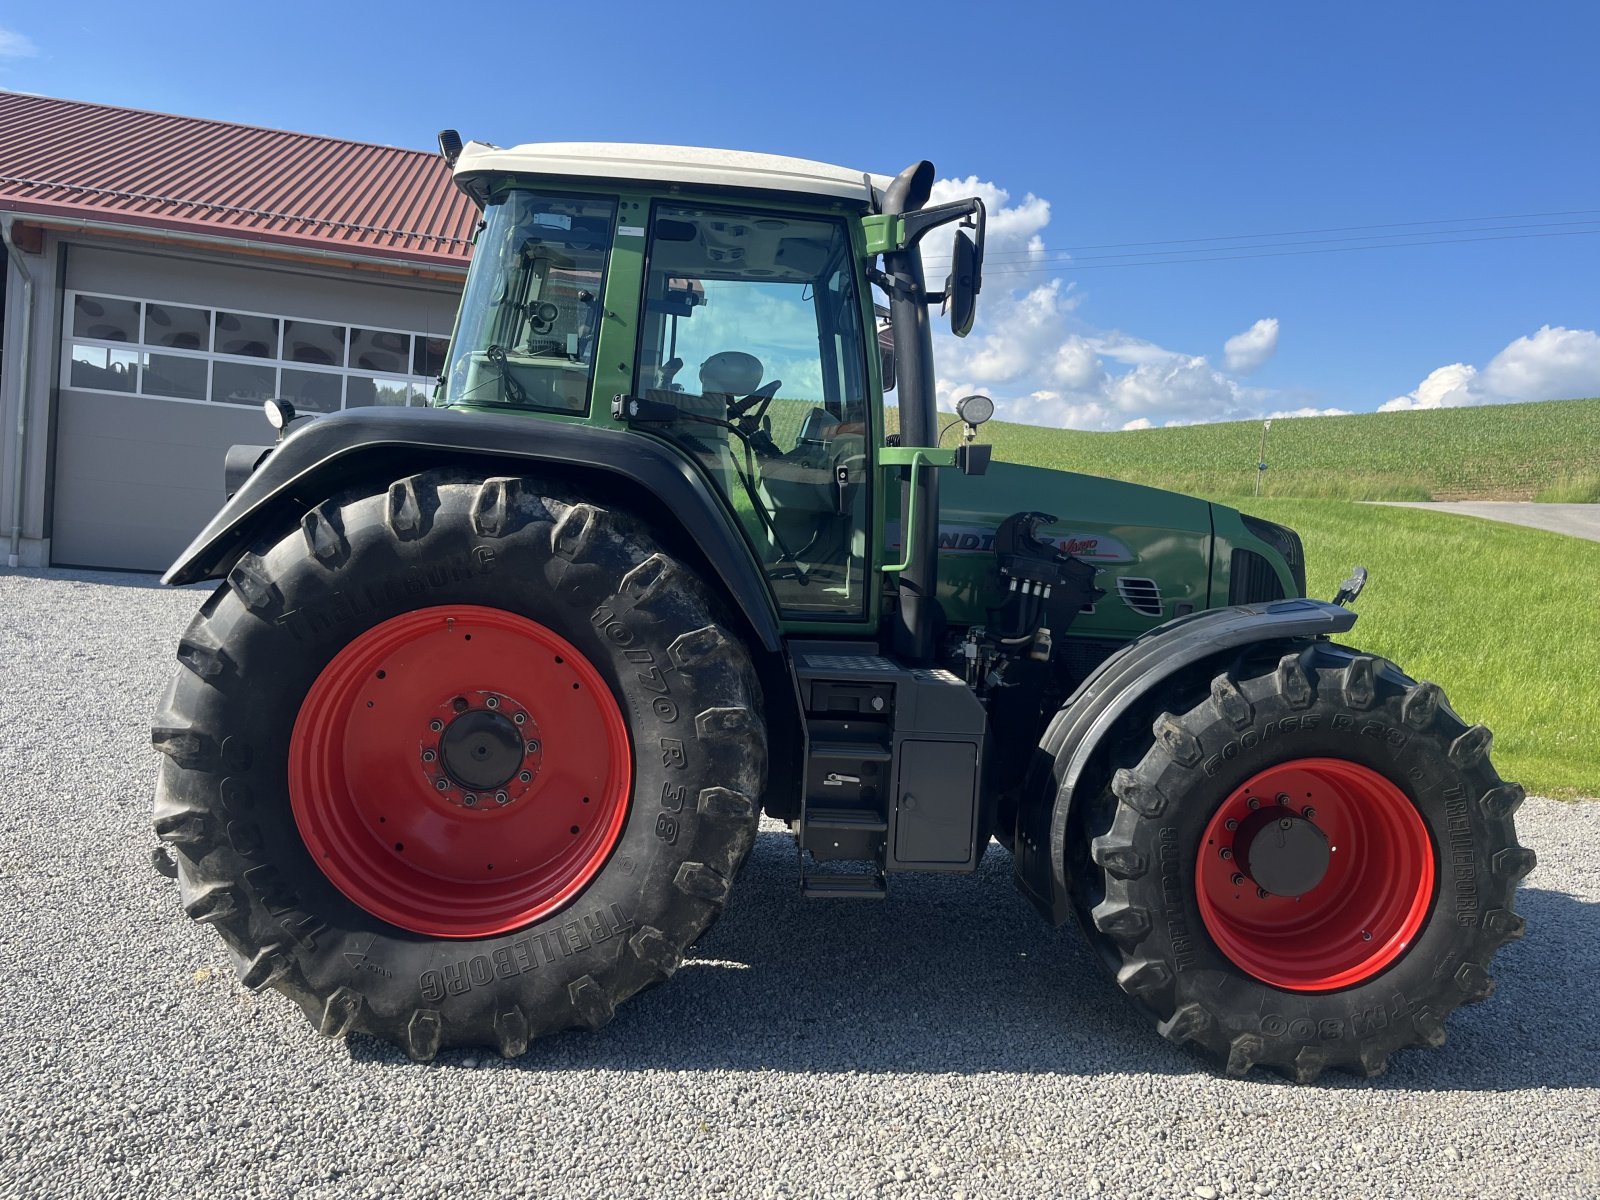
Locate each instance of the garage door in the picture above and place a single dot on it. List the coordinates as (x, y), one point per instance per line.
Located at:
(153, 391)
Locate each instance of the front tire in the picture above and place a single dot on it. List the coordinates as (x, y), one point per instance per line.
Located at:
(1308, 863)
(463, 762)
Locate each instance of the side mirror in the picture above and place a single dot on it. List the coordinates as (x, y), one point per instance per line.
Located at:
(961, 288)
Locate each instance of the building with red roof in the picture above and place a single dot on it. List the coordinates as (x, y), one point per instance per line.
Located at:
(163, 276)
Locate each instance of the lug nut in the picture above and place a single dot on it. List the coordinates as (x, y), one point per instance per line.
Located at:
(1283, 797)
(1230, 824)
(428, 756)
(501, 798)
(1225, 852)
(519, 718)
(459, 704)
(1254, 803)
(525, 776)
(441, 785)
(1310, 813)
(1261, 893)
(533, 747)
(436, 725)
(1238, 879)
(494, 702)
(469, 800)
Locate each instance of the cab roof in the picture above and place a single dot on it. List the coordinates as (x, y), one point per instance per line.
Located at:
(691, 166)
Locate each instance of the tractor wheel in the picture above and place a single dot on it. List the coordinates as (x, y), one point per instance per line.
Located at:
(462, 762)
(1308, 862)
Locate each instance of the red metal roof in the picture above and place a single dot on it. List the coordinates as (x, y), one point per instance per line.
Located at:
(68, 158)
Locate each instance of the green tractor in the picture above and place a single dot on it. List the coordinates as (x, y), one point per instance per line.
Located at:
(471, 740)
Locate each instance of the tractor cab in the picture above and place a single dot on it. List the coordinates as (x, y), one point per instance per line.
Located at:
(721, 302)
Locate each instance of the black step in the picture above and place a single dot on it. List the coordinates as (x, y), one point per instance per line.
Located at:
(861, 820)
(844, 887)
(853, 751)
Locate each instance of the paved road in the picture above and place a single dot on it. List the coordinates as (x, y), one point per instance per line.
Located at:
(942, 1044)
(1575, 520)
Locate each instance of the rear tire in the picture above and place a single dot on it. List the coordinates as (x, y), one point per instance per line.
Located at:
(1383, 943)
(272, 747)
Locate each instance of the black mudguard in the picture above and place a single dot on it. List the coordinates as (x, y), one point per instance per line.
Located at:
(1104, 699)
(363, 445)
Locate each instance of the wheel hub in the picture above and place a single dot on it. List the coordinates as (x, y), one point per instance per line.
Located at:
(481, 750)
(1284, 853)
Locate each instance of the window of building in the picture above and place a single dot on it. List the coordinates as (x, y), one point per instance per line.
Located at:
(221, 356)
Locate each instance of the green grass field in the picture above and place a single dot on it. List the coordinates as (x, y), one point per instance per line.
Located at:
(1549, 451)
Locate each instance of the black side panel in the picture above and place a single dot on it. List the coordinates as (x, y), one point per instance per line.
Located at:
(324, 455)
(1106, 695)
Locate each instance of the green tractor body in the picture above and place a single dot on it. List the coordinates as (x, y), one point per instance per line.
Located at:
(472, 739)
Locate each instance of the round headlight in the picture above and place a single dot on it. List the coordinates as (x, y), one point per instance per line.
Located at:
(279, 413)
(974, 410)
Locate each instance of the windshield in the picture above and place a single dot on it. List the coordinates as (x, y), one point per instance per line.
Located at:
(530, 315)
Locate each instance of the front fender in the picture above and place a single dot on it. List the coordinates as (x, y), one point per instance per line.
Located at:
(331, 452)
(1105, 697)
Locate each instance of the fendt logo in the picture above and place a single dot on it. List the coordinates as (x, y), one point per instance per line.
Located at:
(979, 539)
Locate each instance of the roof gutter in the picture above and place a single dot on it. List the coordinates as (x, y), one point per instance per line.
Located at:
(19, 456)
(215, 241)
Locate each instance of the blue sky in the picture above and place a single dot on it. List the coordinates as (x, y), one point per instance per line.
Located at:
(1126, 123)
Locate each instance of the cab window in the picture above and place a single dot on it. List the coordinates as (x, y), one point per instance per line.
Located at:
(752, 334)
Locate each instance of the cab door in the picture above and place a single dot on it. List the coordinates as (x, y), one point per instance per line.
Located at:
(751, 332)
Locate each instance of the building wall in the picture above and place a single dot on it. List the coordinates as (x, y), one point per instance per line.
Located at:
(42, 267)
(125, 480)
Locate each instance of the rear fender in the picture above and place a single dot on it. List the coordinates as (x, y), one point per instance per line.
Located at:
(376, 446)
(1104, 699)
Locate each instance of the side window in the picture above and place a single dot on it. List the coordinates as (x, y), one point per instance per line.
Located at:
(531, 313)
(752, 331)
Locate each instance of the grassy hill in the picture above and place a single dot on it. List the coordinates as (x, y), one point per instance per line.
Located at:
(1547, 451)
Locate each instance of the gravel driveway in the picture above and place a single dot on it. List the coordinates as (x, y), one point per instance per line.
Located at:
(942, 1044)
(1574, 520)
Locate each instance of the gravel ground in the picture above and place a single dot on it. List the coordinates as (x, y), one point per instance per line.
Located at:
(943, 1044)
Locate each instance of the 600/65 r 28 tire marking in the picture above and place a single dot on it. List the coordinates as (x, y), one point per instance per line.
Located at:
(460, 771)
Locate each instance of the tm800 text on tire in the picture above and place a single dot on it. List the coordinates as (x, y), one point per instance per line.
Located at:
(1309, 862)
(459, 762)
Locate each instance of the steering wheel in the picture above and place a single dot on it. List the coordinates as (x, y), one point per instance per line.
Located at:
(757, 400)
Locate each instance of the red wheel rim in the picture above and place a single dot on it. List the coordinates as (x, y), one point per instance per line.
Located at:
(1353, 921)
(396, 765)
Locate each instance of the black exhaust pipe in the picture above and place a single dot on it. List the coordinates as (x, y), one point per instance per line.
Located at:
(908, 307)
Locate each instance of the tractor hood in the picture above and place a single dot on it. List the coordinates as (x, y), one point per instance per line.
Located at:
(1153, 547)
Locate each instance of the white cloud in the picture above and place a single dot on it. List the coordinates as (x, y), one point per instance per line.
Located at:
(16, 45)
(1045, 365)
(1309, 412)
(1246, 351)
(1555, 363)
